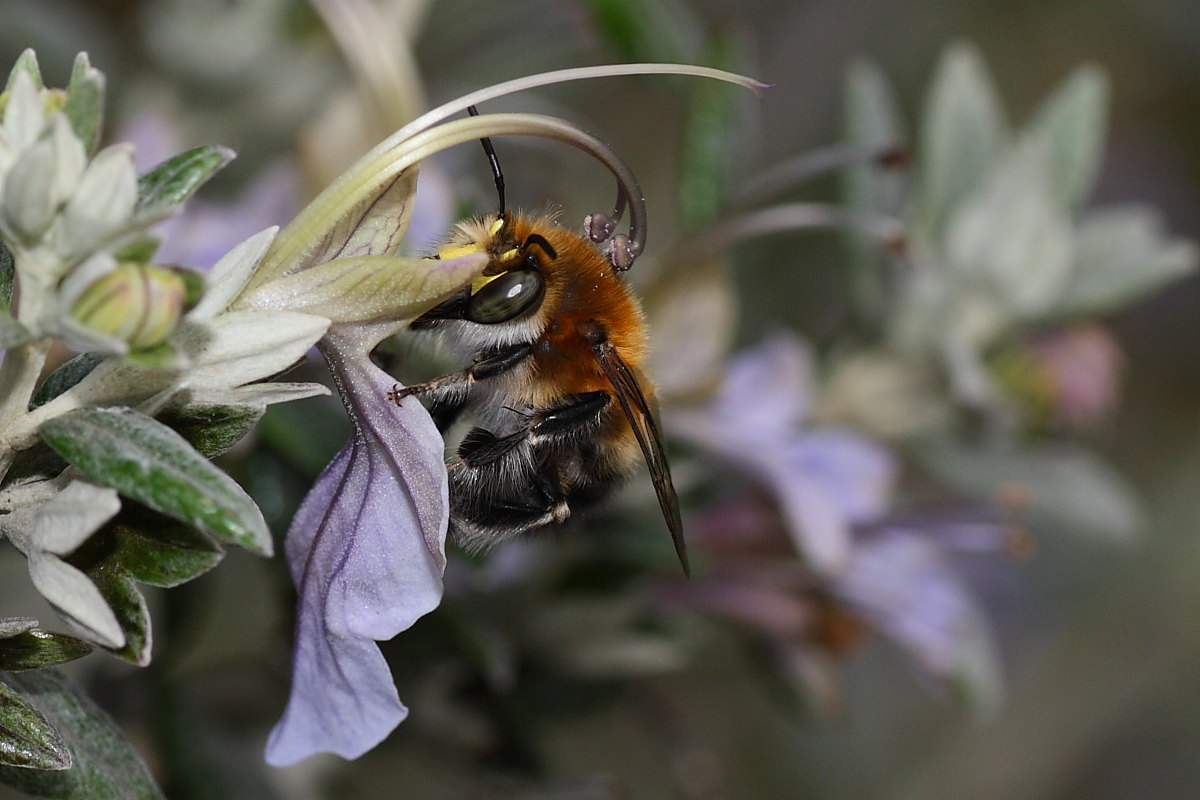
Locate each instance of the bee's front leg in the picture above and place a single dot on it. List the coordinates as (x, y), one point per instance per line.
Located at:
(456, 384)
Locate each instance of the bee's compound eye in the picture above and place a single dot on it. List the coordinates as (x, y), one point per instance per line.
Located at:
(505, 297)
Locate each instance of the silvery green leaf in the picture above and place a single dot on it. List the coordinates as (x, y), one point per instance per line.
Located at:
(707, 155)
(27, 63)
(241, 347)
(104, 766)
(369, 287)
(7, 271)
(212, 429)
(74, 596)
(127, 603)
(11, 626)
(1066, 486)
(176, 179)
(13, 333)
(151, 549)
(962, 132)
(27, 739)
(28, 198)
(37, 649)
(1073, 122)
(1010, 240)
(648, 30)
(85, 102)
(1122, 254)
(872, 119)
(257, 394)
(148, 462)
(70, 160)
(24, 114)
(63, 378)
(63, 523)
(229, 275)
(102, 205)
(141, 250)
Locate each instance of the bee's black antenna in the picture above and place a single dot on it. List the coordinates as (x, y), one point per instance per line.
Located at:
(495, 162)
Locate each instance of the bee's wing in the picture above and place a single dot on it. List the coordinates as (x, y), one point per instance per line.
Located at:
(645, 428)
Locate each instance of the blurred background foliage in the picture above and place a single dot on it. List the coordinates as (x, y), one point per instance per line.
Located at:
(524, 685)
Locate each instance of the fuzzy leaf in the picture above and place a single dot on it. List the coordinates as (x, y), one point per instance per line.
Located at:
(177, 178)
(12, 626)
(962, 130)
(133, 616)
(26, 62)
(27, 739)
(148, 462)
(104, 765)
(64, 378)
(212, 430)
(85, 102)
(12, 333)
(35, 649)
(1072, 122)
(152, 548)
(1123, 254)
(7, 271)
(709, 139)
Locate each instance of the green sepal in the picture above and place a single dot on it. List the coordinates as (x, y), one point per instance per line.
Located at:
(140, 250)
(37, 648)
(85, 102)
(176, 179)
(159, 356)
(148, 462)
(212, 430)
(27, 739)
(63, 378)
(104, 766)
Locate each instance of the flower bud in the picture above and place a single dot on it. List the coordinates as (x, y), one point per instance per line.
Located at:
(137, 303)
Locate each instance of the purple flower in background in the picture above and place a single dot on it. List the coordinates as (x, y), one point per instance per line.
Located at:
(366, 550)
(828, 494)
(824, 480)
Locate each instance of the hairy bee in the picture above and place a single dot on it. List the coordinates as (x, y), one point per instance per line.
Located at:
(556, 341)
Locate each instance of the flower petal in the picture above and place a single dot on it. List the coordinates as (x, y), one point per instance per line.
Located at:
(366, 550)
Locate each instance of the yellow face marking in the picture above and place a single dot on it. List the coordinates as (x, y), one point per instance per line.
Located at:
(482, 281)
(509, 255)
(496, 226)
(458, 250)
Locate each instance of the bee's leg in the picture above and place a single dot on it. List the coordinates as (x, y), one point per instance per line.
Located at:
(572, 417)
(503, 499)
(456, 384)
(445, 412)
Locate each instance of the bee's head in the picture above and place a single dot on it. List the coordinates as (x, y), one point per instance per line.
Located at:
(514, 283)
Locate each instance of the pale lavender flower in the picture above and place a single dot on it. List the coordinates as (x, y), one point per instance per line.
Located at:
(388, 488)
(824, 480)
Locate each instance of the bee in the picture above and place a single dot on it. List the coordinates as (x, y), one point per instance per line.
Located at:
(557, 340)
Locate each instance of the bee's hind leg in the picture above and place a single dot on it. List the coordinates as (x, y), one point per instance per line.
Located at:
(571, 418)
